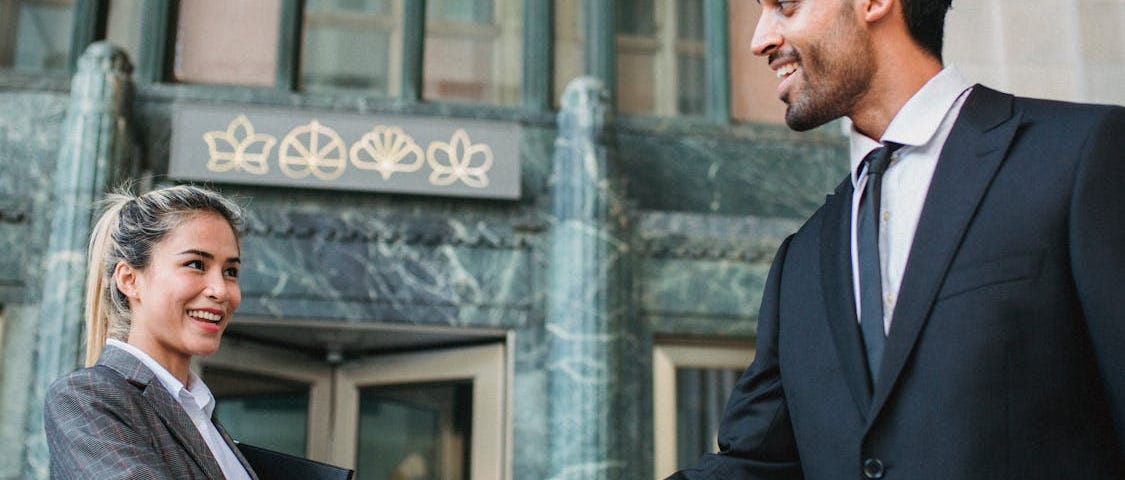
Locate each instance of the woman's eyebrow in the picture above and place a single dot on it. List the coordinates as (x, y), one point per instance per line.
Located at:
(201, 253)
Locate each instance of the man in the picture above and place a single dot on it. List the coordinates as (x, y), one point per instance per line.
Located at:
(985, 336)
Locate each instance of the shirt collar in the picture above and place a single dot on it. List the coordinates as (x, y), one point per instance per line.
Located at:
(197, 391)
(918, 120)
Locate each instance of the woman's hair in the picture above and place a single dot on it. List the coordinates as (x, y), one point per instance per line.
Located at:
(129, 229)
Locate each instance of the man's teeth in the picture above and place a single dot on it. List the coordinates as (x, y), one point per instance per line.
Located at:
(208, 316)
(786, 70)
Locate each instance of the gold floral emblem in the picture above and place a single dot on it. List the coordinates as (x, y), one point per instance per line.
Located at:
(239, 148)
(459, 159)
(301, 152)
(387, 150)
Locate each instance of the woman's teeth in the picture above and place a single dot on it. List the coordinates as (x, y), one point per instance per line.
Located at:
(206, 316)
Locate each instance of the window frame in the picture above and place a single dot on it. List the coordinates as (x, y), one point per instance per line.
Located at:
(157, 43)
(600, 54)
(666, 358)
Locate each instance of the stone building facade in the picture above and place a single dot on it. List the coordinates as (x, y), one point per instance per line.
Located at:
(553, 331)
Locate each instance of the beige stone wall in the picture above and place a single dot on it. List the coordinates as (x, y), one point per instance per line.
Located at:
(1061, 49)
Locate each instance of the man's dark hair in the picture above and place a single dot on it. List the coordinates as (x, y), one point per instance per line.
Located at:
(925, 19)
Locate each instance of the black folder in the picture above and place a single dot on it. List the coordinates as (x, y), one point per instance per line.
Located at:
(274, 465)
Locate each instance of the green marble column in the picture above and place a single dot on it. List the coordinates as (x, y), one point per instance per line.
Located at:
(96, 154)
(589, 300)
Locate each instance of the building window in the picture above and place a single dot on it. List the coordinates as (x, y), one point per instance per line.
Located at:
(35, 35)
(124, 25)
(660, 57)
(753, 85)
(472, 51)
(352, 45)
(227, 43)
(691, 384)
(569, 46)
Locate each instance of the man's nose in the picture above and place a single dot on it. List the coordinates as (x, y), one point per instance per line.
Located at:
(767, 38)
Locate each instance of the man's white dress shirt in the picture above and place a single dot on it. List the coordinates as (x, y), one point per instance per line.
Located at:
(921, 126)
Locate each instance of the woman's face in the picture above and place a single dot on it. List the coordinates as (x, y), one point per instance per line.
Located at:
(183, 300)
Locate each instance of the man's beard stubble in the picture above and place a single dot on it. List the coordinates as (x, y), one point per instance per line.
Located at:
(835, 75)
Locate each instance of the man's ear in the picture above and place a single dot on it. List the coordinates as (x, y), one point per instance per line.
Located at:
(126, 278)
(878, 9)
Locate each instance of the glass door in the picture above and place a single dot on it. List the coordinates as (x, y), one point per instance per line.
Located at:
(424, 415)
(431, 414)
(271, 397)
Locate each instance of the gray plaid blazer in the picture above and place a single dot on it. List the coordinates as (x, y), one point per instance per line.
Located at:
(115, 420)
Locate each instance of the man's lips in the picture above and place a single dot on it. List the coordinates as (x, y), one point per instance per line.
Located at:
(787, 73)
(785, 65)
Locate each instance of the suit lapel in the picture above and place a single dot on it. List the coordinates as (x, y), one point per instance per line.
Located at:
(839, 298)
(972, 154)
(177, 421)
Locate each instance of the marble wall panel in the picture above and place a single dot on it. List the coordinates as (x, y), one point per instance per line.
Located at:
(730, 176)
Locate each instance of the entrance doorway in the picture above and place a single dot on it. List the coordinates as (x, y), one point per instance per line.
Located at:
(429, 413)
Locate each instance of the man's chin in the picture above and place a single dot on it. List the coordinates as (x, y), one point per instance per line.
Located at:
(801, 121)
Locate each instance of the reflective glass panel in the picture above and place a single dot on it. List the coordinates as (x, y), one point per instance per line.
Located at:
(472, 51)
(414, 431)
(123, 26)
(660, 57)
(569, 46)
(35, 35)
(228, 43)
(753, 86)
(352, 45)
(260, 410)
(701, 394)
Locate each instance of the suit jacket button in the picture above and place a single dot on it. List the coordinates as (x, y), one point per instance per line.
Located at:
(873, 468)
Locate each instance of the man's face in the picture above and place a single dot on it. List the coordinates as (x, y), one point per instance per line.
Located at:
(821, 55)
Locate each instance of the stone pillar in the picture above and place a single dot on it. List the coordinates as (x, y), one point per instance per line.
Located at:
(96, 154)
(589, 295)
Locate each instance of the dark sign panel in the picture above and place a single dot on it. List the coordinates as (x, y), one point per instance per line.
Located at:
(377, 153)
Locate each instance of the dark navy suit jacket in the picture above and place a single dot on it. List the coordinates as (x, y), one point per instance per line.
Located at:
(1006, 355)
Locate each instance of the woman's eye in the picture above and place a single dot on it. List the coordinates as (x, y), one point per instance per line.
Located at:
(197, 264)
(231, 272)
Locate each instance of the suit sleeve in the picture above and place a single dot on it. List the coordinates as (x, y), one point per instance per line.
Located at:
(89, 432)
(1097, 252)
(756, 439)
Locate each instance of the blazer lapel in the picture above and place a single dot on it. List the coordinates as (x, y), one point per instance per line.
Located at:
(839, 298)
(182, 428)
(972, 154)
(177, 421)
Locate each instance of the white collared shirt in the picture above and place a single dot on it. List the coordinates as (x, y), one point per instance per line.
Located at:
(921, 126)
(199, 404)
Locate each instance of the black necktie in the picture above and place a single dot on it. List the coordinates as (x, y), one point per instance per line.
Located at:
(870, 275)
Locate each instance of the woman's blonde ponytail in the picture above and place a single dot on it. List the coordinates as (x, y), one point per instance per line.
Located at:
(100, 285)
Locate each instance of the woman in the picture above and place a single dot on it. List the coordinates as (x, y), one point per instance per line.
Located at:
(161, 288)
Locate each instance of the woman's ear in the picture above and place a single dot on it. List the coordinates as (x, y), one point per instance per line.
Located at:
(126, 278)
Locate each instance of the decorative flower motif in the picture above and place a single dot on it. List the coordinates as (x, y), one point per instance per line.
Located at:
(460, 160)
(237, 148)
(301, 152)
(385, 150)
